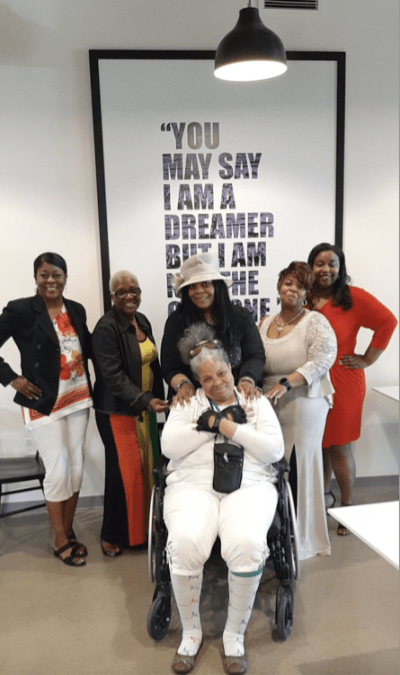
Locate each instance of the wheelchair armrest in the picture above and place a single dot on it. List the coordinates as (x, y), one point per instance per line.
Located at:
(160, 466)
(282, 466)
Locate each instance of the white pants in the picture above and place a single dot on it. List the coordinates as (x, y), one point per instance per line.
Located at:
(195, 516)
(303, 421)
(60, 444)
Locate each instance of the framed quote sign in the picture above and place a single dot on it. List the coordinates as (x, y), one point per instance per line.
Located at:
(187, 163)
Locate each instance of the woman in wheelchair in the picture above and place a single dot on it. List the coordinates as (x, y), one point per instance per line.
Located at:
(220, 482)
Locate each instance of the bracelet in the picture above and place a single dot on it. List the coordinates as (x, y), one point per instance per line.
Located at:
(246, 379)
(182, 382)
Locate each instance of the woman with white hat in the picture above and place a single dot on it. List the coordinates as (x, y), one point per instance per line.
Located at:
(204, 298)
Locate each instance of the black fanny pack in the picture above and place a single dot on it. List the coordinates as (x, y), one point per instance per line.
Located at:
(228, 467)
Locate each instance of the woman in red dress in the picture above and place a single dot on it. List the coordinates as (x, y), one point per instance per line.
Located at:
(347, 309)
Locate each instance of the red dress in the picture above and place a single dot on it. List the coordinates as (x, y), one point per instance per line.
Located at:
(343, 424)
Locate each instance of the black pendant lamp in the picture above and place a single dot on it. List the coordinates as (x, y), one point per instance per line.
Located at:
(250, 51)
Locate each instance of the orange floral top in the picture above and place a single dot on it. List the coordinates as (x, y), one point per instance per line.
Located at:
(73, 389)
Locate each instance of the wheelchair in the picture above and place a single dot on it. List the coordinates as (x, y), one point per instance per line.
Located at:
(282, 541)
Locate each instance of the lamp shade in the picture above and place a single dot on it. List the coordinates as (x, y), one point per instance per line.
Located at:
(250, 51)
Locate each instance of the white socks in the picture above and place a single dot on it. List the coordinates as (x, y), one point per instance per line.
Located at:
(187, 595)
(242, 593)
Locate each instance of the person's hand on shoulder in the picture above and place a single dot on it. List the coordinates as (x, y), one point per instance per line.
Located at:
(184, 389)
(247, 387)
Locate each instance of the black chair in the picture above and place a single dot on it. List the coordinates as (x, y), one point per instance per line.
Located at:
(18, 470)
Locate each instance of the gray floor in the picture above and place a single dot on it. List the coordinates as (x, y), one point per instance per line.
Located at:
(56, 620)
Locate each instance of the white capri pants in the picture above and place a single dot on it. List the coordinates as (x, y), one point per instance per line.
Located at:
(196, 515)
(60, 444)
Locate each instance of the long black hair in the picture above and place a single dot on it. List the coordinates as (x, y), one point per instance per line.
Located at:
(340, 291)
(227, 321)
(51, 259)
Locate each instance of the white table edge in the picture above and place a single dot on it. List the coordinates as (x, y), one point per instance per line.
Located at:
(339, 513)
(391, 391)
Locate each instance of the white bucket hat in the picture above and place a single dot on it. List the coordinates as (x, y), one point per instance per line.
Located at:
(197, 268)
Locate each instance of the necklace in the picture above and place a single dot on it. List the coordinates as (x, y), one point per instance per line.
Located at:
(281, 326)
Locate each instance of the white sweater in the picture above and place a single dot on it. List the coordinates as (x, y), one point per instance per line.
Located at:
(192, 452)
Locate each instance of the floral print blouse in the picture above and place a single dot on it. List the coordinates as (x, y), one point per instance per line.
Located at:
(73, 388)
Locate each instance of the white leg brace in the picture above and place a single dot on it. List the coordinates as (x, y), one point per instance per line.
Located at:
(187, 591)
(242, 593)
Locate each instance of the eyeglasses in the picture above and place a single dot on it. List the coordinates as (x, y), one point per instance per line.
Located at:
(205, 344)
(123, 294)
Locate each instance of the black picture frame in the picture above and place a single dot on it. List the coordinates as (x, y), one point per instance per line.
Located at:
(96, 55)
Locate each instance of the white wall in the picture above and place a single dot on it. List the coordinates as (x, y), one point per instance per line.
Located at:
(48, 189)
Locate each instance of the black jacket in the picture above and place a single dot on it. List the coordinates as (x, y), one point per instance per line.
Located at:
(118, 365)
(27, 321)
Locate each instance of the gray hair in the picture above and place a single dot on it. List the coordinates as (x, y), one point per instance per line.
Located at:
(119, 275)
(193, 336)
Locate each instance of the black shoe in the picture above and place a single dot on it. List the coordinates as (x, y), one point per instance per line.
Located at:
(74, 560)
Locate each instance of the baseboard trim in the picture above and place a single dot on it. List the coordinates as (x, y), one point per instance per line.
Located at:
(373, 481)
(83, 503)
(94, 501)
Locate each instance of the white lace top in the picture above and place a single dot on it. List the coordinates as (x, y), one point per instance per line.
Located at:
(310, 349)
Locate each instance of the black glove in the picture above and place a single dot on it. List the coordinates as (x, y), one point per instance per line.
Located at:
(202, 422)
(236, 412)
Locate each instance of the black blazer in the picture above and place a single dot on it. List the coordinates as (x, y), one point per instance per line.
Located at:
(118, 365)
(27, 321)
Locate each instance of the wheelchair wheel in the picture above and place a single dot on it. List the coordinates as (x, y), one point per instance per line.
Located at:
(284, 614)
(159, 617)
(152, 558)
(294, 554)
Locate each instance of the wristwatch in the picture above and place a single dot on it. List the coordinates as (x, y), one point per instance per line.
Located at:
(286, 382)
(182, 382)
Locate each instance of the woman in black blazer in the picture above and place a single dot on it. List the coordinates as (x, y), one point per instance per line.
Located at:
(54, 391)
(127, 394)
